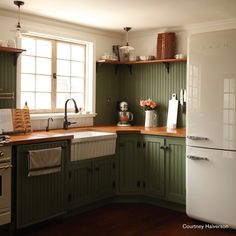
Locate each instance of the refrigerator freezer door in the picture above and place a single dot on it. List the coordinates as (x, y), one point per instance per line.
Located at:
(210, 185)
(211, 90)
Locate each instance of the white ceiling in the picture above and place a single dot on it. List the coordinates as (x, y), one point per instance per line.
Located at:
(138, 14)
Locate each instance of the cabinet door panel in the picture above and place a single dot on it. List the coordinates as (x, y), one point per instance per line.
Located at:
(129, 178)
(39, 197)
(154, 166)
(80, 183)
(175, 170)
(103, 177)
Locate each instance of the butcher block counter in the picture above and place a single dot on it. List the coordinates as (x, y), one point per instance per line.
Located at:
(61, 134)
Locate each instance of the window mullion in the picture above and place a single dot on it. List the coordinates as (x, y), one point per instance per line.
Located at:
(54, 70)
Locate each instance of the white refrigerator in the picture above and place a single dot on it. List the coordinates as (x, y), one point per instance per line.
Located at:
(211, 128)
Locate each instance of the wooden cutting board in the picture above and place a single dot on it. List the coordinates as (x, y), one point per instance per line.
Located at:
(172, 112)
(21, 121)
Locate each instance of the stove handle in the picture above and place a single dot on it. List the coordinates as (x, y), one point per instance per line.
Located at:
(5, 167)
(197, 158)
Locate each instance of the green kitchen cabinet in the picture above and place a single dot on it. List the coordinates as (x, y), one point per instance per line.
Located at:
(91, 180)
(141, 163)
(154, 173)
(39, 198)
(175, 170)
(130, 163)
(153, 166)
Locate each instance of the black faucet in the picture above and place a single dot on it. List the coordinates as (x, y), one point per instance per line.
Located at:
(49, 119)
(66, 122)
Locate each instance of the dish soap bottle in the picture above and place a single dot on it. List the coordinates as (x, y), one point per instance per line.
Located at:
(26, 106)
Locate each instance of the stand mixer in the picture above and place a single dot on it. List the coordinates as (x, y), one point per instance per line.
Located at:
(124, 115)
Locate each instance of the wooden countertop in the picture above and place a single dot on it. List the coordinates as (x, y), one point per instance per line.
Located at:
(61, 134)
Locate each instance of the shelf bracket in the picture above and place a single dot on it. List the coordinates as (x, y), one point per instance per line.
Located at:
(167, 66)
(130, 69)
(98, 64)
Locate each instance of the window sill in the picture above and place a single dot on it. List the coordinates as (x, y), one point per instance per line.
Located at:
(59, 115)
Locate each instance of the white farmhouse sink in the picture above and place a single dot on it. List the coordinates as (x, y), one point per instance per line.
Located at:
(91, 144)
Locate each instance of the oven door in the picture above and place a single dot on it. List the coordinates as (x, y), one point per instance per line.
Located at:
(5, 193)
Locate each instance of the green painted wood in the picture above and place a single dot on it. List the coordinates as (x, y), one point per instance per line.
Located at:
(80, 183)
(7, 78)
(39, 197)
(154, 167)
(130, 164)
(90, 181)
(107, 88)
(147, 81)
(104, 185)
(175, 170)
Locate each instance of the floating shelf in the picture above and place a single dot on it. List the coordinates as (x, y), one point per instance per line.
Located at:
(166, 62)
(15, 51)
(11, 50)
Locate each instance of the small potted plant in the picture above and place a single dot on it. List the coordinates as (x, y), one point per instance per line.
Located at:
(149, 106)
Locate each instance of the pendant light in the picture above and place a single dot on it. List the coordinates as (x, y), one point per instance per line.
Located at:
(127, 47)
(18, 26)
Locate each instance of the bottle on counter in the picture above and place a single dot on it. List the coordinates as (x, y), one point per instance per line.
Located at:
(26, 106)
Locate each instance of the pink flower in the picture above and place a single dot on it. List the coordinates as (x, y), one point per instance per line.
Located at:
(148, 104)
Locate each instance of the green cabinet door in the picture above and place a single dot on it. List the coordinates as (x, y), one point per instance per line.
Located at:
(154, 174)
(90, 180)
(104, 184)
(175, 170)
(80, 183)
(130, 167)
(39, 197)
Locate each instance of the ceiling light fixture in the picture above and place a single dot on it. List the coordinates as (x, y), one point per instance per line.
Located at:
(18, 26)
(127, 47)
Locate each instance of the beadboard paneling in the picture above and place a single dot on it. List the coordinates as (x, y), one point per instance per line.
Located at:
(107, 87)
(7, 78)
(147, 81)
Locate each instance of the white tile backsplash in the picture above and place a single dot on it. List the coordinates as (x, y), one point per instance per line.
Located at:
(40, 124)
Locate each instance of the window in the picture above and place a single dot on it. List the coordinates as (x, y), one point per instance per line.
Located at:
(53, 71)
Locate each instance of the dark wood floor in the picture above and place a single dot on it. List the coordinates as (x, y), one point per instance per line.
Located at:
(125, 220)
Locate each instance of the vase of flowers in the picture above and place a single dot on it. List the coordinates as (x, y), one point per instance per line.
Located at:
(150, 115)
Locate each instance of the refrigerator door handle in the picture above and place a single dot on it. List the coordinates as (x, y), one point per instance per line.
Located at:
(196, 137)
(197, 158)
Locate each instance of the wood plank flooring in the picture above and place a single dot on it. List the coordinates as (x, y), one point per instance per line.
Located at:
(125, 220)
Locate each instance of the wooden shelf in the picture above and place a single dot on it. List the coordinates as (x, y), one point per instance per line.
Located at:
(141, 62)
(166, 62)
(11, 50)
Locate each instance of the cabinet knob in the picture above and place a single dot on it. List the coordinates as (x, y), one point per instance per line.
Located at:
(1, 153)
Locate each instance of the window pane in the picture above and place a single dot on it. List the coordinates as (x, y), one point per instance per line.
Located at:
(61, 99)
(29, 45)
(63, 84)
(44, 48)
(27, 82)
(43, 101)
(77, 84)
(63, 67)
(77, 53)
(43, 66)
(77, 69)
(79, 98)
(63, 51)
(43, 83)
(27, 64)
(29, 98)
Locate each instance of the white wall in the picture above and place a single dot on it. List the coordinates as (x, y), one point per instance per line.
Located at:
(103, 40)
(145, 42)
